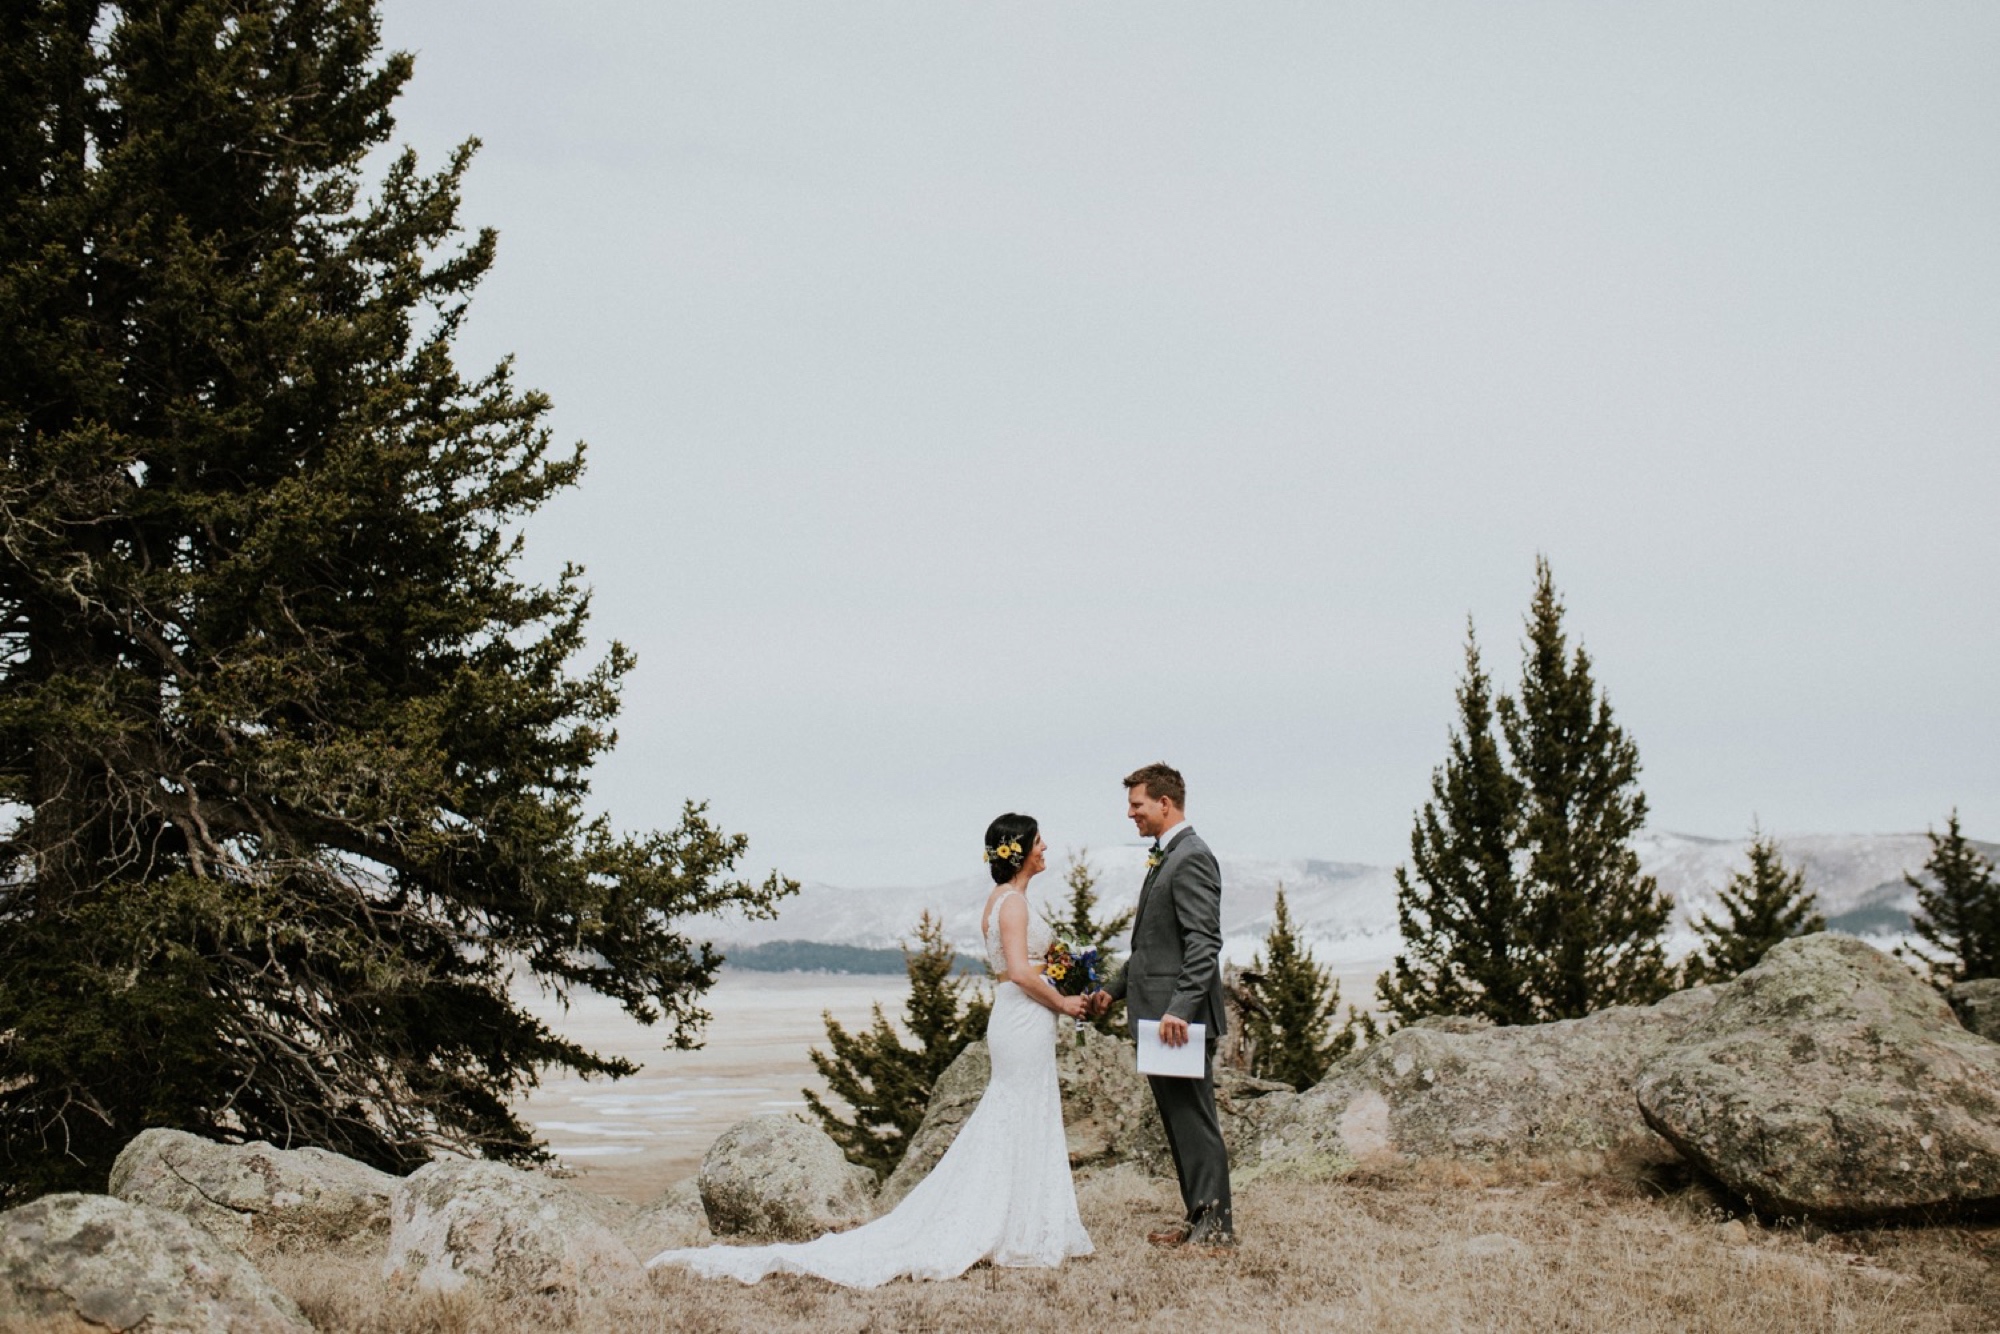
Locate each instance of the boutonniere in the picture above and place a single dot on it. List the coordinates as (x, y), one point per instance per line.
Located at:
(1154, 858)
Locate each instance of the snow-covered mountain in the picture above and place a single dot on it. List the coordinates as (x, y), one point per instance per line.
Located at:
(1857, 877)
(1346, 911)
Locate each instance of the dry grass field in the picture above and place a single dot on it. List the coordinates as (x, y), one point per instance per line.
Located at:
(1425, 1251)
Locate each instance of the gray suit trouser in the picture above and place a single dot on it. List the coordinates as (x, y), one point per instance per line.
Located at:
(1194, 1136)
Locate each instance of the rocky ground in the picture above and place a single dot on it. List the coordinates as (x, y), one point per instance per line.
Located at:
(1814, 1146)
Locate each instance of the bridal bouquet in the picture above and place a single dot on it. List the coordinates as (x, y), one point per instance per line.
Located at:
(1071, 969)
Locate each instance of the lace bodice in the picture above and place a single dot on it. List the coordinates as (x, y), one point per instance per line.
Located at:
(1039, 936)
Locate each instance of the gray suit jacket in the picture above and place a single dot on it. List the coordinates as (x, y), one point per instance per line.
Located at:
(1175, 965)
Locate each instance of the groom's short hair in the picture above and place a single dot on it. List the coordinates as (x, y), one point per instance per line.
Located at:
(1160, 780)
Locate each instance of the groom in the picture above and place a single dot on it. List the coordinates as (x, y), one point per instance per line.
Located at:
(1174, 976)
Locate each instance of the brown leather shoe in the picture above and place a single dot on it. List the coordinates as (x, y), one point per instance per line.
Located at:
(1169, 1236)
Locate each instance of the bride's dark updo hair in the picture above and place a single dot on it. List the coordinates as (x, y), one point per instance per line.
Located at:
(1009, 840)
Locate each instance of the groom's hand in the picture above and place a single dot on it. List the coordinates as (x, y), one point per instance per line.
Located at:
(1173, 1031)
(1100, 1001)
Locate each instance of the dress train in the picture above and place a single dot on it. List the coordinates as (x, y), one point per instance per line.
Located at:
(1002, 1192)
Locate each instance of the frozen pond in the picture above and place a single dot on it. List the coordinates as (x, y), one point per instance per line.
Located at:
(634, 1137)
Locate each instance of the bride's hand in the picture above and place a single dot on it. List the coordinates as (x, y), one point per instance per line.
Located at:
(1074, 1006)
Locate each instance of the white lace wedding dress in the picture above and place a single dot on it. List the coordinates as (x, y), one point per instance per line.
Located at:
(1002, 1191)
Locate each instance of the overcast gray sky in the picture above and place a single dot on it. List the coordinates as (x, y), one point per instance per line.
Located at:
(985, 400)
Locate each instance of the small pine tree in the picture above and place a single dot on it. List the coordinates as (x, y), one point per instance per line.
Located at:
(1292, 1039)
(1595, 926)
(1958, 910)
(1458, 902)
(1523, 900)
(886, 1083)
(1766, 904)
(1081, 925)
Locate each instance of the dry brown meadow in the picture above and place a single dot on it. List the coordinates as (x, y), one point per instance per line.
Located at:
(1409, 1249)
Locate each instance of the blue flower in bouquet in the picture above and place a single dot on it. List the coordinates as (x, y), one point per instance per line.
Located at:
(1086, 964)
(1072, 969)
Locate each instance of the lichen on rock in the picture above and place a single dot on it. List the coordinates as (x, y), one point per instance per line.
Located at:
(1459, 1088)
(94, 1262)
(256, 1197)
(778, 1178)
(1831, 1083)
(460, 1222)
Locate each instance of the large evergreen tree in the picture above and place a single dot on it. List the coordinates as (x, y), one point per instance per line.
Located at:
(1523, 900)
(295, 762)
(1459, 901)
(1293, 1038)
(1596, 926)
(1766, 903)
(886, 1083)
(1958, 910)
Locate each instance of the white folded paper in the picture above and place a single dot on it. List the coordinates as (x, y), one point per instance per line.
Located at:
(1187, 1061)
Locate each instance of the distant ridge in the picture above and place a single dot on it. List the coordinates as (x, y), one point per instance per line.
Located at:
(813, 956)
(1345, 910)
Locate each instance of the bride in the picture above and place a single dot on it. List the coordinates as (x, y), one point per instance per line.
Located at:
(1002, 1191)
